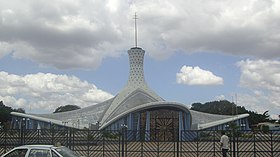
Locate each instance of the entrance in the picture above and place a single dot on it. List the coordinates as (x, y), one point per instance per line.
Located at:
(164, 124)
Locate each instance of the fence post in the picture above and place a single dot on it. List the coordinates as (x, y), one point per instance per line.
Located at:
(142, 143)
(124, 127)
(271, 143)
(237, 143)
(38, 135)
(103, 143)
(88, 141)
(66, 133)
(52, 135)
(197, 144)
(178, 143)
(122, 142)
(70, 138)
(233, 141)
(255, 144)
(214, 141)
(5, 139)
(21, 136)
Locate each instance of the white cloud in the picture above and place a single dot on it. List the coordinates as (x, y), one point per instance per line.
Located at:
(79, 34)
(45, 92)
(64, 34)
(263, 74)
(260, 103)
(235, 27)
(261, 77)
(196, 76)
(220, 97)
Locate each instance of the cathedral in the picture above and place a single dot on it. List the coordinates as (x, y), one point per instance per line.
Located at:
(137, 107)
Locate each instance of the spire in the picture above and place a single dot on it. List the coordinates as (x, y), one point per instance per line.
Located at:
(135, 28)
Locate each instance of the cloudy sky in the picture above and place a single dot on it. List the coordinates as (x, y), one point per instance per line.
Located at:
(61, 52)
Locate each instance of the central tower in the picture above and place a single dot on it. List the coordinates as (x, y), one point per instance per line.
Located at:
(136, 72)
(136, 91)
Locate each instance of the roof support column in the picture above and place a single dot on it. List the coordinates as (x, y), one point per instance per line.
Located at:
(148, 129)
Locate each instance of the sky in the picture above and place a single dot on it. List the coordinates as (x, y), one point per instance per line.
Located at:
(60, 52)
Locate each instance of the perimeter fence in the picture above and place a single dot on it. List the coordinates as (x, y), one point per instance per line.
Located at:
(126, 143)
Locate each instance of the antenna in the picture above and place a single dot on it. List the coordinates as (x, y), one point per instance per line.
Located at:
(135, 28)
(236, 104)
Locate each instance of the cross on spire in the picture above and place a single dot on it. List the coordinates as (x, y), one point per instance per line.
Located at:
(135, 28)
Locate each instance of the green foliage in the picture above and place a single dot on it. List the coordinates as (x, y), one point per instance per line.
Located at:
(222, 107)
(247, 135)
(225, 107)
(20, 110)
(66, 108)
(235, 130)
(111, 135)
(5, 112)
(265, 129)
(5, 116)
(256, 118)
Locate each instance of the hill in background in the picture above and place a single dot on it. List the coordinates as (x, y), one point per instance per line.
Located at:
(224, 107)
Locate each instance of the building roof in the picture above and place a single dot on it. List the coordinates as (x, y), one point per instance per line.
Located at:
(205, 120)
(135, 96)
(93, 113)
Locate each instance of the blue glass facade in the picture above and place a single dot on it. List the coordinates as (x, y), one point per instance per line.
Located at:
(29, 123)
(154, 120)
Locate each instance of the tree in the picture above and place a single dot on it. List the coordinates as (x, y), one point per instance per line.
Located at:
(5, 116)
(222, 107)
(66, 108)
(20, 110)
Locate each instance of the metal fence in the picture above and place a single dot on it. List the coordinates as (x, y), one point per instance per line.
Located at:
(127, 143)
